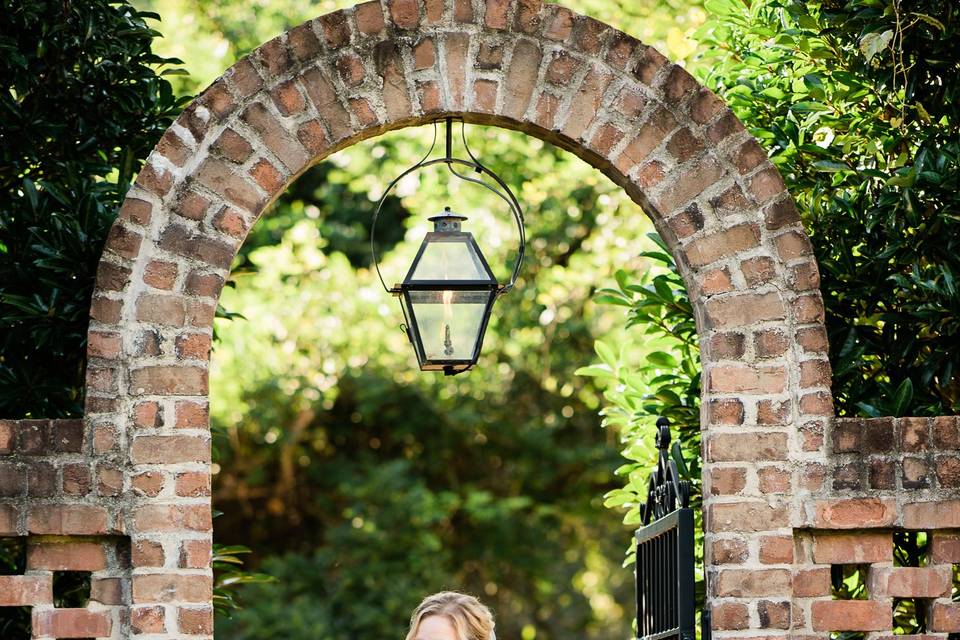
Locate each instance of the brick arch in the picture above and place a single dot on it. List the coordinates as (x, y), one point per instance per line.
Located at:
(541, 69)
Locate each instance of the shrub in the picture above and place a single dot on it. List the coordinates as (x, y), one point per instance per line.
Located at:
(84, 102)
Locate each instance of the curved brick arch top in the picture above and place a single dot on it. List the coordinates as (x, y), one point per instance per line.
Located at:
(356, 73)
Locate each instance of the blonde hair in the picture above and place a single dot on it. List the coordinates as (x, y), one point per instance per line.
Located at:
(471, 619)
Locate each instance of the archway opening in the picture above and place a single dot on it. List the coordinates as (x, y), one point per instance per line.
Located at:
(385, 483)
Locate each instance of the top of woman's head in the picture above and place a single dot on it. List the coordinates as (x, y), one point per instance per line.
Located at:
(470, 619)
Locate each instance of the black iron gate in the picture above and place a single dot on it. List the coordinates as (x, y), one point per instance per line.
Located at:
(666, 596)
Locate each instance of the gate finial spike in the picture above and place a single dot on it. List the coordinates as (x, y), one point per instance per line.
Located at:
(663, 433)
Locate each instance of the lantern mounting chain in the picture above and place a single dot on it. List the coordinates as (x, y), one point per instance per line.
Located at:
(499, 188)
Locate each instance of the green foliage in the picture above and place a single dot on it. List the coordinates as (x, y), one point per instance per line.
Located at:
(857, 102)
(83, 103)
(384, 483)
(229, 575)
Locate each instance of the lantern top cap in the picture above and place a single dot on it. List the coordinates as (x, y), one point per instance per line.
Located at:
(447, 221)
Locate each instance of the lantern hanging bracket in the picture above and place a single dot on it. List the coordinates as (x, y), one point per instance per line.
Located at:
(498, 187)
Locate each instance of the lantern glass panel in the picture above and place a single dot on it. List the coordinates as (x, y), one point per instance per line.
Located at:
(453, 257)
(450, 324)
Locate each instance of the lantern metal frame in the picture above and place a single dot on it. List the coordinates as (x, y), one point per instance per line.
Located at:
(499, 188)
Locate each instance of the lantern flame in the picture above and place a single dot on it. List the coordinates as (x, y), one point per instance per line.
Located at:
(448, 318)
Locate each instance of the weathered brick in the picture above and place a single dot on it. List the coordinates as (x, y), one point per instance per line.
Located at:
(424, 54)
(750, 583)
(945, 617)
(877, 435)
(231, 222)
(160, 309)
(818, 403)
(520, 79)
(463, 12)
(815, 373)
(729, 616)
(147, 619)
(725, 481)
(156, 181)
(946, 432)
(169, 380)
(649, 66)
(455, 47)
(8, 436)
(942, 514)
(191, 414)
(490, 56)
(136, 211)
(369, 16)
(149, 483)
(766, 184)
(850, 615)
(811, 583)
(109, 481)
(325, 100)
(651, 133)
(76, 479)
(729, 551)
(112, 277)
(945, 547)
(13, 479)
(911, 582)
(684, 145)
(741, 378)
(71, 623)
(854, 513)
(194, 346)
(883, 475)
(705, 105)
(749, 447)
(34, 437)
(165, 517)
(209, 249)
(124, 242)
(274, 135)
(746, 516)
(774, 615)
(722, 244)
(9, 515)
(107, 591)
(195, 621)
(586, 103)
(404, 13)
(852, 548)
(76, 519)
(41, 479)
(350, 69)
(195, 554)
(770, 343)
(172, 588)
(267, 176)
(169, 449)
(66, 556)
(217, 176)
(726, 412)
(193, 484)
(774, 479)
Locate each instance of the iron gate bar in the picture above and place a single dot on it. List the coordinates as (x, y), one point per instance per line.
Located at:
(666, 592)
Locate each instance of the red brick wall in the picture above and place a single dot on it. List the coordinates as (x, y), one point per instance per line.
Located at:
(324, 85)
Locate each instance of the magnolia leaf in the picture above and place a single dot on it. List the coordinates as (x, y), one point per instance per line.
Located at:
(933, 22)
(873, 43)
(902, 397)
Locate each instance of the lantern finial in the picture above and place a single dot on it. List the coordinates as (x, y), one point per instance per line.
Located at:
(447, 221)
